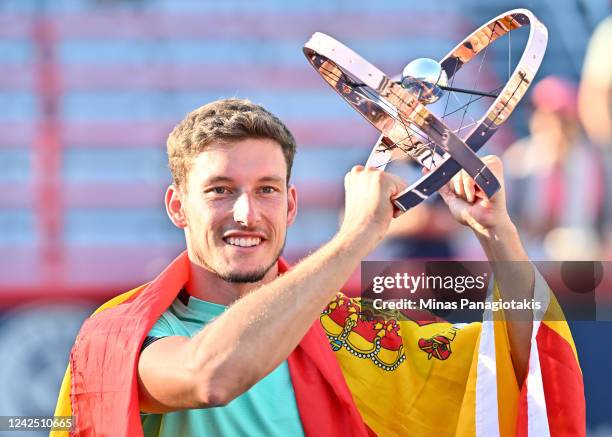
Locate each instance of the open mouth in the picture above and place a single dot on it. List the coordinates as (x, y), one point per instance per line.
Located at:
(243, 241)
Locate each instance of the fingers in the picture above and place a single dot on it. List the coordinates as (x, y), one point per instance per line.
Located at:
(351, 173)
(397, 184)
(462, 186)
(446, 192)
(457, 185)
(397, 211)
(369, 194)
(361, 181)
(468, 186)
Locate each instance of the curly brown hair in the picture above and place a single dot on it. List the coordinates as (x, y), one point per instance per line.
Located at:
(224, 121)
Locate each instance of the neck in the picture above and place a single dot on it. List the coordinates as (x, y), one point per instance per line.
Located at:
(207, 285)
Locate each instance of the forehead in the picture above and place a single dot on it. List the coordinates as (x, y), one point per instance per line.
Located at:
(244, 160)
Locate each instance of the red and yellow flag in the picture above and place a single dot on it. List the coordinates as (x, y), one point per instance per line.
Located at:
(100, 385)
(402, 378)
(440, 379)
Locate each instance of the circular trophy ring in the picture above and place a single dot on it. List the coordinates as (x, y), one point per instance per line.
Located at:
(396, 112)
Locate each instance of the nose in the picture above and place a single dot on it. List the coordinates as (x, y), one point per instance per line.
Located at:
(245, 211)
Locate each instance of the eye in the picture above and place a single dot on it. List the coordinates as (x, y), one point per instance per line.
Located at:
(268, 189)
(218, 190)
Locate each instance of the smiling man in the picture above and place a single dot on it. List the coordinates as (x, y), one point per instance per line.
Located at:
(229, 341)
(235, 207)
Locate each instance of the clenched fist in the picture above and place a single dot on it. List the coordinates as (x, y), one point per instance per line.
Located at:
(368, 203)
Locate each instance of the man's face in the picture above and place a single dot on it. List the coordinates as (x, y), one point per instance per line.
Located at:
(237, 208)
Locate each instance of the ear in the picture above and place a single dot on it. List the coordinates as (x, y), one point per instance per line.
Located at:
(291, 204)
(174, 206)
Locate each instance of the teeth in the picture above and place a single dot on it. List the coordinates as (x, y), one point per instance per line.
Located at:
(243, 242)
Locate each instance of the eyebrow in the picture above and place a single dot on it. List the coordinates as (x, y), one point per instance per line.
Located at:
(271, 179)
(216, 179)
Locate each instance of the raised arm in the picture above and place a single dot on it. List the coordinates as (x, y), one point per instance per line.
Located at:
(261, 329)
(498, 236)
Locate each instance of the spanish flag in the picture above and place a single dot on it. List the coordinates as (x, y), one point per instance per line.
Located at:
(410, 378)
(352, 375)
